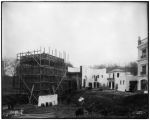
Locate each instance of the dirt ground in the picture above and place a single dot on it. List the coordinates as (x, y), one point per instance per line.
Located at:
(98, 104)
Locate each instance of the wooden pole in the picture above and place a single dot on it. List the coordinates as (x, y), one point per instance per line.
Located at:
(31, 93)
(44, 50)
(40, 71)
(49, 50)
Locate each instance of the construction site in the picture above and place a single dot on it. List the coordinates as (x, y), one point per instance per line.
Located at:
(35, 73)
(74, 60)
(45, 87)
(40, 74)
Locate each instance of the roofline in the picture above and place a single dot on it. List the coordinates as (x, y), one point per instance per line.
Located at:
(144, 38)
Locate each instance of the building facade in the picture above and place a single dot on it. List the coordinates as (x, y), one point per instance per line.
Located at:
(74, 74)
(142, 64)
(93, 78)
(121, 80)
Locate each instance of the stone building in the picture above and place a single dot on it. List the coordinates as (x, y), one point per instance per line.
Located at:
(142, 64)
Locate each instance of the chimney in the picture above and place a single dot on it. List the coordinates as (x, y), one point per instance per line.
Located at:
(81, 69)
(139, 40)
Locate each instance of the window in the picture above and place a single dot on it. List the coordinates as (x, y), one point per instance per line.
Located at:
(113, 75)
(90, 85)
(102, 76)
(143, 53)
(97, 76)
(123, 82)
(117, 75)
(143, 70)
(120, 82)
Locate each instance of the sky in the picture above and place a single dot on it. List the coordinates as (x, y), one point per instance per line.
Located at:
(92, 33)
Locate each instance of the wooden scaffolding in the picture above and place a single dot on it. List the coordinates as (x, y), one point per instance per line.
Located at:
(39, 73)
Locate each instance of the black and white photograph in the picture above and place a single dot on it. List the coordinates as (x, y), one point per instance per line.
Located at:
(74, 60)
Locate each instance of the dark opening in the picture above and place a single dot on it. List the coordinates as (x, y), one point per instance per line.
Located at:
(109, 84)
(113, 76)
(46, 104)
(144, 84)
(94, 84)
(133, 86)
(117, 74)
(116, 86)
(113, 85)
(143, 53)
(50, 104)
(90, 85)
(97, 85)
(143, 70)
(42, 105)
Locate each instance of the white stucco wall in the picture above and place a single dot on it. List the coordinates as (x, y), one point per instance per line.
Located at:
(125, 78)
(48, 98)
(73, 69)
(88, 74)
(122, 78)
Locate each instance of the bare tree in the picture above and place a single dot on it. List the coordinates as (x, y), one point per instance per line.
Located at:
(100, 66)
(9, 66)
(132, 67)
(109, 67)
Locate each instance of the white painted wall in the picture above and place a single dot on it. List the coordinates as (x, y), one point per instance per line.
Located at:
(123, 80)
(48, 98)
(88, 74)
(73, 69)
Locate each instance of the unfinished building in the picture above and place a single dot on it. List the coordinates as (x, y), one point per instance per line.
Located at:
(39, 73)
